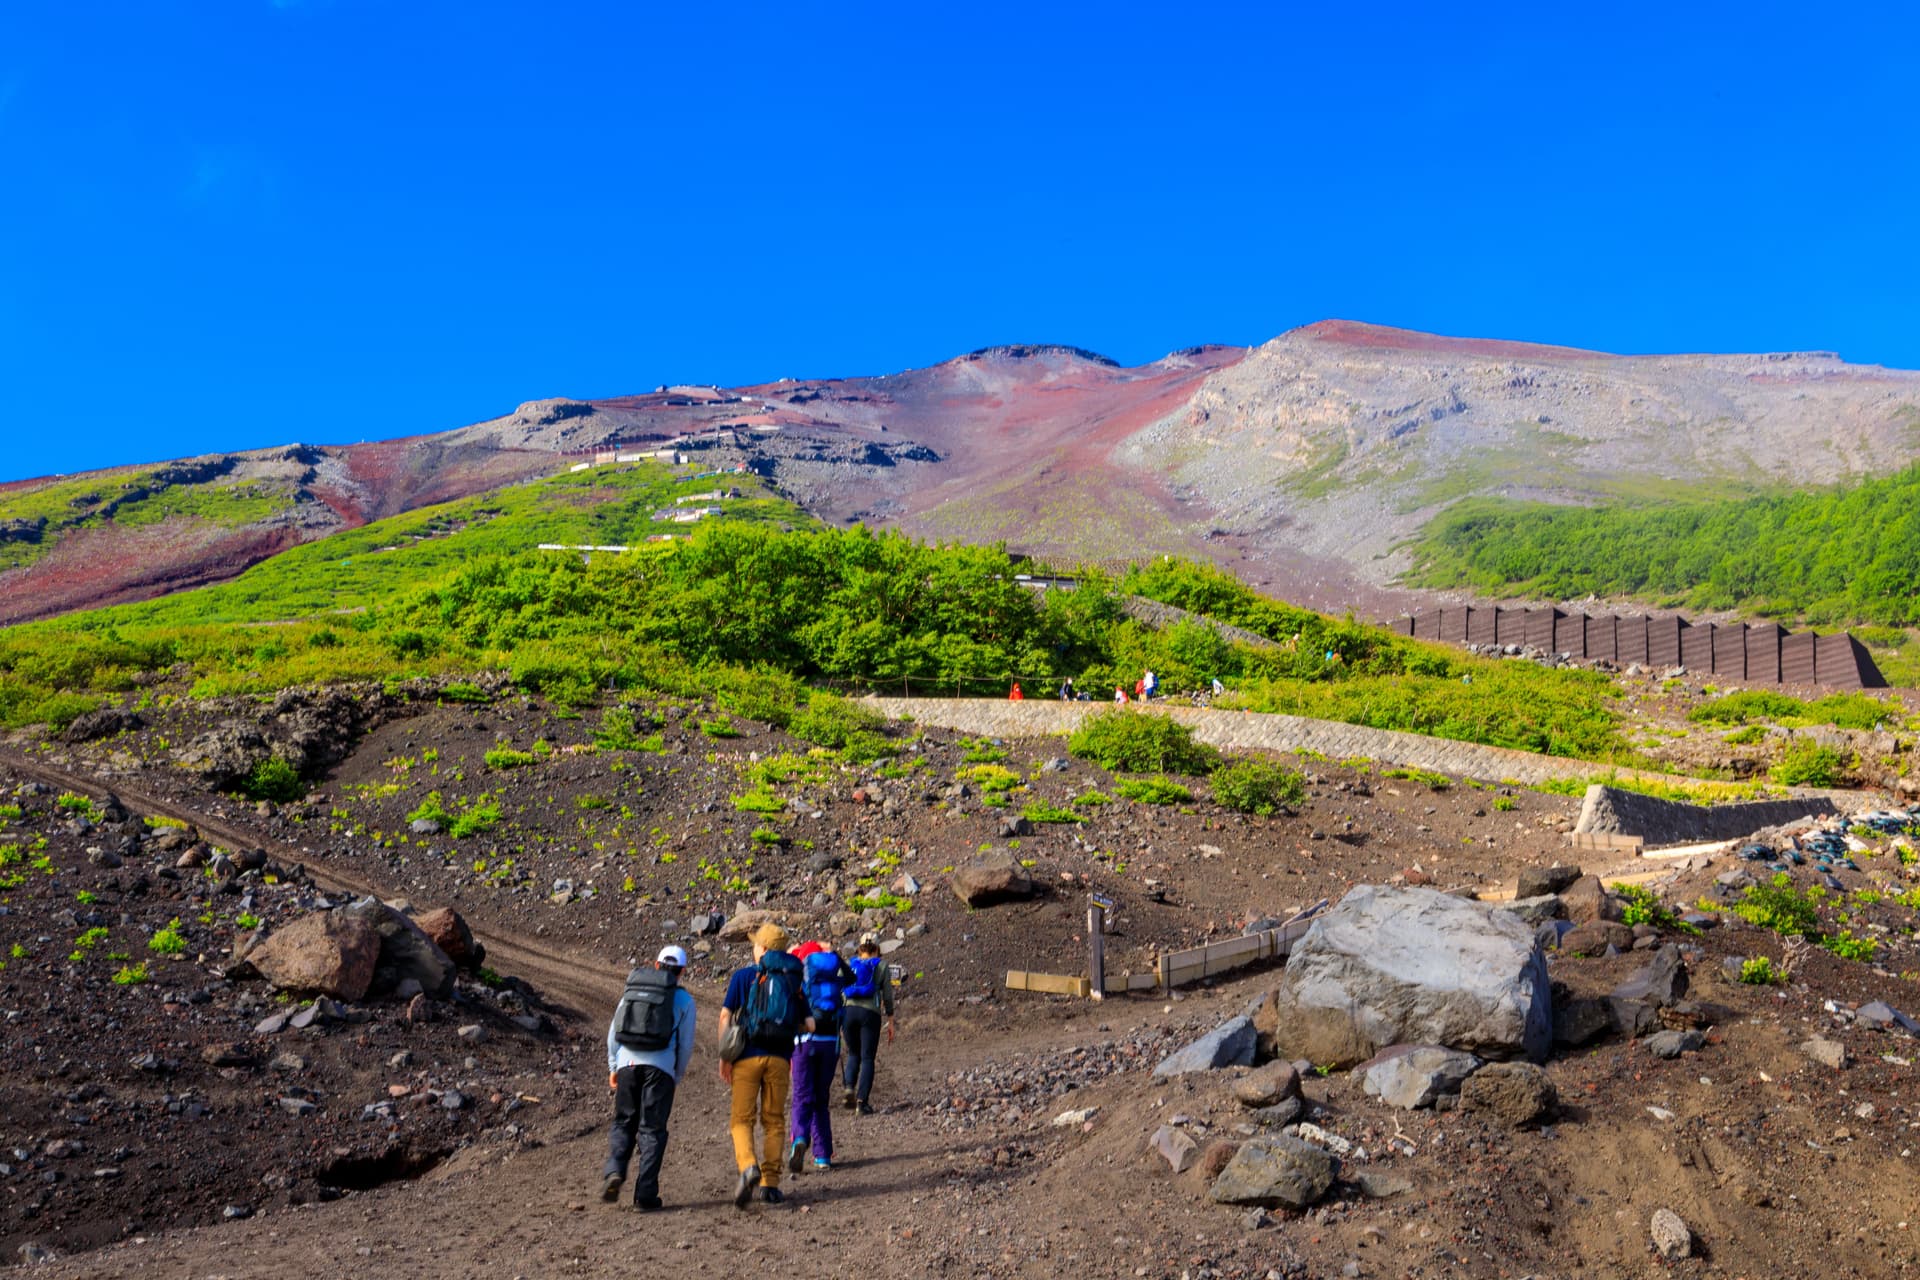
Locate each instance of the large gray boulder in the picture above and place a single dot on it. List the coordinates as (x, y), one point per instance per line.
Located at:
(405, 952)
(1280, 1170)
(1411, 966)
(1228, 1045)
(989, 878)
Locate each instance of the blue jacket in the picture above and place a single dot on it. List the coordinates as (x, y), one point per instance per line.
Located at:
(674, 1058)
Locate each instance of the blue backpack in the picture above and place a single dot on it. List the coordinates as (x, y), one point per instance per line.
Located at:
(866, 977)
(823, 991)
(775, 1009)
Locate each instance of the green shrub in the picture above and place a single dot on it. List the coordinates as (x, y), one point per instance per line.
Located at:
(1780, 907)
(1760, 972)
(1139, 742)
(1091, 799)
(759, 800)
(1806, 763)
(767, 835)
(1425, 777)
(1504, 804)
(274, 779)
(980, 750)
(462, 691)
(131, 975)
(719, 727)
(432, 809)
(993, 779)
(1156, 790)
(1745, 736)
(168, 941)
(1040, 811)
(842, 725)
(1848, 947)
(1258, 787)
(1643, 906)
(620, 729)
(1741, 708)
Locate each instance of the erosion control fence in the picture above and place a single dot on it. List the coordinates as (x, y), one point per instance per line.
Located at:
(1760, 653)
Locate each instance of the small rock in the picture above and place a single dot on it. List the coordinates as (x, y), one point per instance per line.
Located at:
(1515, 1093)
(1672, 1239)
(288, 1062)
(272, 1024)
(1537, 882)
(1828, 1053)
(1265, 1086)
(1671, 1044)
(453, 1100)
(1230, 1044)
(235, 1212)
(297, 1106)
(472, 1033)
(1175, 1146)
(1376, 1184)
(1281, 1170)
(1420, 1075)
(1071, 1119)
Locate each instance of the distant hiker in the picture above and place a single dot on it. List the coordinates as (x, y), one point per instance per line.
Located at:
(1140, 688)
(1218, 688)
(649, 1046)
(1119, 694)
(1016, 695)
(766, 1001)
(1150, 685)
(1066, 690)
(866, 997)
(815, 1054)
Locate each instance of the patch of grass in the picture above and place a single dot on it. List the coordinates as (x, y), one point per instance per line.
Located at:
(1091, 799)
(1503, 804)
(131, 975)
(477, 818)
(432, 809)
(767, 835)
(508, 758)
(1760, 972)
(994, 779)
(885, 900)
(720, 726)
(1807, 763)
(1154, 790)
(980, 750)
(759, 800)
(591, 803)
(462, 691)
(1039, 811)
(1425, 777)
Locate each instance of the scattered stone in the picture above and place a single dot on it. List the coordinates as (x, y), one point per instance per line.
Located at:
(1279, 1115)
(989, 878)
(1514, 1093)
(1828, 1053)
(1671, 1044)
(1377, 1184)
(1281, 1170)
(404, 1058)
(1535, 882)
(235, 1212)
(405, 951)
(226, 1055)
(453, 1100)
(1075, 1118)
(1412, 966)
(297, 1106)
(1536, 910)
(1175, 1146)
(1581, 1021)
(288, 1062)
(1595, 939)
(450, 933)
(472, 1033)
(1256, 1218)
(1661, 983)
(1415, 1078)
(424, 827)
(1672, 1239)
(1588, 902)
(1265, 1086)
(1881, 1015)
(33, 1254)
(1231, 1044)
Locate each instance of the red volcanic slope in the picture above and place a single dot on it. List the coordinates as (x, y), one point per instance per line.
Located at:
(1356, 333)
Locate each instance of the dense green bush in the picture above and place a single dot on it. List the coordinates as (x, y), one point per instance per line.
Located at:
(274, 779)
(1141, 742)
(1751, 704)
(1155, 790)
(1258, 787)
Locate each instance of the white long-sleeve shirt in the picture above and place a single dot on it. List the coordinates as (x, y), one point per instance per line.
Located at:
(674, 1058)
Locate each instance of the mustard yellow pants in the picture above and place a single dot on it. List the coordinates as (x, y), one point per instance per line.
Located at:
(760, 1084)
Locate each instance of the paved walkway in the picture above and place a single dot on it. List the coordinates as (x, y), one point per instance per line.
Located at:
(1250, 730)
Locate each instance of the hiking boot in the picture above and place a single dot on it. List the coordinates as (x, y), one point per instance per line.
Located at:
(849, 1100)
(796, 1156)
(743, 1190)
(651, 1204)
(610, 1189)
(771, 1195)
(866, 1109)
(823, 1166)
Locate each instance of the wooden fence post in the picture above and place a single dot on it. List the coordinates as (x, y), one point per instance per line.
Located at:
(1097, 949)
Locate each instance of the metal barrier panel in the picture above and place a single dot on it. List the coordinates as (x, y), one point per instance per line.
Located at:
(1482, 626)
(1603, 635)
(1834, 662)
(1696, 646)
(1796, 658)
(1570, 634)
(1630, 639)
(1509, 626)
(1730, 652)
(1763, 652)
(1426, 624)
(1453, 625)
(1401, 626)
(1540, 627)
(1663, 642)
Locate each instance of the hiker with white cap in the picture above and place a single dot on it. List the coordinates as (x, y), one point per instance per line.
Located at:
(649, 1046)
(864, 999)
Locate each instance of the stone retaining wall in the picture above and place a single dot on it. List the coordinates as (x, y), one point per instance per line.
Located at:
(1659, 822)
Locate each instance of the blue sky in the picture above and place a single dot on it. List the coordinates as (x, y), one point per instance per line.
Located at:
(235, 223)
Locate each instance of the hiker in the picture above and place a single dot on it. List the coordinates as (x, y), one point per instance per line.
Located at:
(766, 1000)
(1066, 690)
(1016, 695)
(865, 998)
(1119, 694)
(1218, 688)
(1140, 688)
(649, 1046)
(1150, 685)
(815, 1054)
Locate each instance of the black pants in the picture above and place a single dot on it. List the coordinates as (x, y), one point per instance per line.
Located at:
(860, 1036)
(642, 1101)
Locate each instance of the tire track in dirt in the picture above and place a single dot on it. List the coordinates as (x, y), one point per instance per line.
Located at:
(584, 984)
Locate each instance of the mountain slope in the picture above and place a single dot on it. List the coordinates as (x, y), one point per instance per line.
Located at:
(1305, 464)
